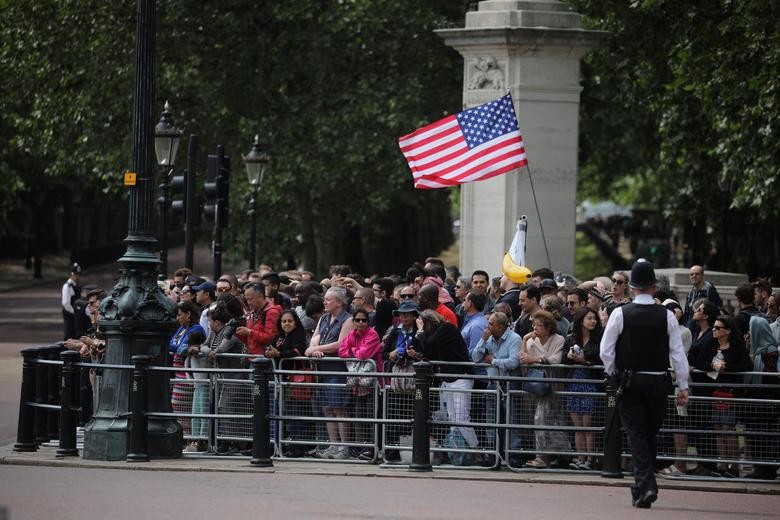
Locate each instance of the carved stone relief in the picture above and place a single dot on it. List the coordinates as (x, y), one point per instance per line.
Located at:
(485, 74)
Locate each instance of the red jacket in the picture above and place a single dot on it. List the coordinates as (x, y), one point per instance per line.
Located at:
(447, 314)
(264, 328)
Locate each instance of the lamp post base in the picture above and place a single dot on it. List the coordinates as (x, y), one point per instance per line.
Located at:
(108, 440)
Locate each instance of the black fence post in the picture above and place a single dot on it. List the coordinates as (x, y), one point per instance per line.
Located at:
(611, 467)
(261, 425)
(68, 416)
(55, 373)
(25, 431)
(139, 423)
(41, 397)
(421, 441)
(85, 394)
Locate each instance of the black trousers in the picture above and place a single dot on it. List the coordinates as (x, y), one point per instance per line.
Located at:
(642, 414)
(69, 325)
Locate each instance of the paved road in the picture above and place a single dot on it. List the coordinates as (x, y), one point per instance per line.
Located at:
(156, 494)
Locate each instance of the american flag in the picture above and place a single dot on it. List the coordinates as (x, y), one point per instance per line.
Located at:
(474, 145)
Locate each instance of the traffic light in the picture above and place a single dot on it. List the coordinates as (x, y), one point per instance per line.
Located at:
(210, 188)
(223, 188)
(179, 195)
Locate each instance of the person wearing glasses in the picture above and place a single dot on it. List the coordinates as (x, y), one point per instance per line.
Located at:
(718, 359)
(223, 286)
(700, 288)
(704, 315)
(362, 342)
(364, 300)
(462, 287)
(407, 293)
(576, 299)
(620, 288)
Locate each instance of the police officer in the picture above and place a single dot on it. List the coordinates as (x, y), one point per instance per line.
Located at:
(638, 341)
(71, 291)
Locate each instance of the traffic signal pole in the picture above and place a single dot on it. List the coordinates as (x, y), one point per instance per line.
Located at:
(189, 208)
(165, 203)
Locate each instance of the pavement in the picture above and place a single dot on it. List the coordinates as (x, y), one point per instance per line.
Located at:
(47, 456)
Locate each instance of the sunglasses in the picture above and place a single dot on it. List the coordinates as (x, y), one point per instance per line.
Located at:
(718, 327)
(223, 289)
(618, 282)
(406, 296)
(360, 320)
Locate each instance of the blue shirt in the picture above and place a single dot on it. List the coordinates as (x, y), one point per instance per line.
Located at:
(473, 327)
(506, 352)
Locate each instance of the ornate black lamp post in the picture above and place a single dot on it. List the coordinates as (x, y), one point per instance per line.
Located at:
(137, 318)
(166, 142)
(256, 161)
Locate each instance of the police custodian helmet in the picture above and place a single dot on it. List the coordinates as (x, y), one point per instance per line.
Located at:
(642, 275)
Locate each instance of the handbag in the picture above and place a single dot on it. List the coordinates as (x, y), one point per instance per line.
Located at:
(722, 406)
(361, 384)
(402, 384)
(537, 388)
(299, 391)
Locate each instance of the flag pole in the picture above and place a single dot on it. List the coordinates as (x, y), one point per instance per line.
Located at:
(539, 216)
(536, 204)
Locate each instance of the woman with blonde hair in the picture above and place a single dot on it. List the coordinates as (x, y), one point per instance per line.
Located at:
(619, 288)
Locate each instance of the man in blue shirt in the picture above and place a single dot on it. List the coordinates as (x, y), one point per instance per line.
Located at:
(474, 322)
(499, 347)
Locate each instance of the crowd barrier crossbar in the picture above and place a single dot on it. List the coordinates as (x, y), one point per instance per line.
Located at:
(468, 427)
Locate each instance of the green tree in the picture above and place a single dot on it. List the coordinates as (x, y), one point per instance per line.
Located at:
(329, 85)
(680, 113)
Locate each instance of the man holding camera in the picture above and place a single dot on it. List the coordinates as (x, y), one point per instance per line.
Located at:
(638, 342)
(261, 327)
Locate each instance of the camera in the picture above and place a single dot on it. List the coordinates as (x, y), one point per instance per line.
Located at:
(233, 324)
(237, 322)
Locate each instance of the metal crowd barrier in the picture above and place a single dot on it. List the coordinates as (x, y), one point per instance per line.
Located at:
(282, 417)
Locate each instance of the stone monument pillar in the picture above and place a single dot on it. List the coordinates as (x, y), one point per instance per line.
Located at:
(534, 48)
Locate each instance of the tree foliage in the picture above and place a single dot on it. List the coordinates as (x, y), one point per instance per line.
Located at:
(680, 113)
(685, 93)
(329, 85)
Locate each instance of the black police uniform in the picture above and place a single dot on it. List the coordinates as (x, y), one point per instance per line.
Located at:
(636, 348)
(642, 358)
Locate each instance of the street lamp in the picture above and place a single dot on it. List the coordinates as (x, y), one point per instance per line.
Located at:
(166, 138)
(166, 142)
(137, 318)
(256, 161)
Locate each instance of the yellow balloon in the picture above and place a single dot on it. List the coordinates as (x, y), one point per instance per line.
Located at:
(516, 273)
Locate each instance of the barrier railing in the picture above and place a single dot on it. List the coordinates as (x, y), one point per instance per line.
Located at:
(268, 410)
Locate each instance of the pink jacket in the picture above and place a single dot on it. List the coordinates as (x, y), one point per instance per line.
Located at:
(363, 346)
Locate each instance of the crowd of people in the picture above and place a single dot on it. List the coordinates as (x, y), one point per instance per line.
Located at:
(504, 328)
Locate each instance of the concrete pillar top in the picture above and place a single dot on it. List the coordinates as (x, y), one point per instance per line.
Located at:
(523, 13)
(540, 24)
